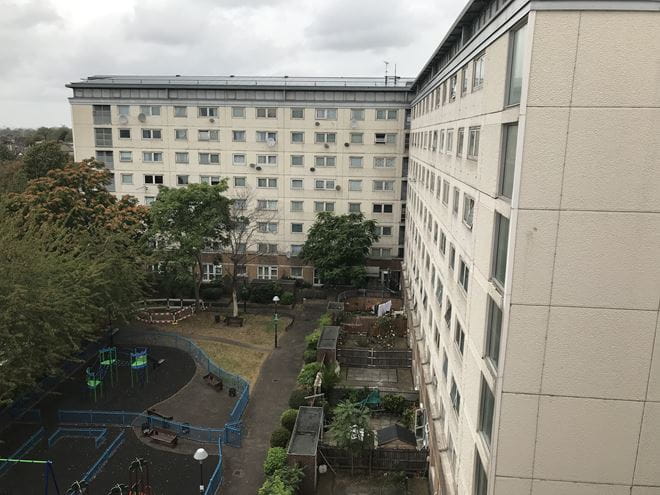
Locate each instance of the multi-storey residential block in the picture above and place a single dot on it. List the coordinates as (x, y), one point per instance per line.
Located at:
(533, 249)
(295, 146)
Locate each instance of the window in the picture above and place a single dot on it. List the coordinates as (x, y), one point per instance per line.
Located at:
(459, 338)
(509, 140)
(266, 248)
(325, 137)
(207, 111)
(149, 200)
(473, 142)
(296, 183)
(445, 192)
(211, 272)
(459, 141)
(269, 182)
(386, 114)
(486, 409)
(297, 137)
(493, 331)
(296, 228)
(455, 396)
(127, 179)
(241, 270)
(267, 159)
(181, 180)
(238, 159)
(355, 161)
(207, 135)
(463, 274)
(445, 365)
(266, 136)
(516, 53)
(180, 111)
(438, 291)
(181, 134)
(357, 138)
(452, 256)
(452, 87)
(150, 110)
(124, 134)
(238, 136)
(324, 184)
(297, 205)
(267, 227)
(151, 134)
(296, 271)
(354, 185)
(267, 272)
(209, 158)
(384, 161)
(124, 110)
(297, 160)
(267, 113)
(501, 241)
(238, 112)
(383, 138)
(450, 139)
(379, 252)
(125, 156)
(480, 478)
(153, 179)
(297, 113)
(326, 114)
(152, 156)
(181, 157)
(383, 230)
(468, 211)
(101, 114)
(267, 204)
(240, 181)
(240, 204)
(464, 80)
(478, 72)
(354, 208)
(325, 161)
(457, 198)
(323, 206)
(383, 185)
(103, 136)
(296, 249)
(357, 113)
(382, 208)
(441, 147)
(214, 180)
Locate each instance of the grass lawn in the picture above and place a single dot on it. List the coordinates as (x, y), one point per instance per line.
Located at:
(235, 359)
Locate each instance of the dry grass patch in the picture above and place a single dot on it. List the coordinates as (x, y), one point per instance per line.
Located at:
(235, 359)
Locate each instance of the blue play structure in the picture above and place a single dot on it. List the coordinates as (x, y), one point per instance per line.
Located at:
(106, 367)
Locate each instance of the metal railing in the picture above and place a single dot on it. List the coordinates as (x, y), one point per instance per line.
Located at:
(29, 444)
(98, 434)
(105, 456)
(216, 478)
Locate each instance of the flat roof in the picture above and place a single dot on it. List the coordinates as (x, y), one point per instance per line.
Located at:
(328, 339)
(97, 81)
(307, 431)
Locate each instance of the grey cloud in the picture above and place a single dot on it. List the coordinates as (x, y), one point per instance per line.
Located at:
(28, 15)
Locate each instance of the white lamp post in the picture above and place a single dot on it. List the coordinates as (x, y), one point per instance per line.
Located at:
(200, 455)
(276, 300)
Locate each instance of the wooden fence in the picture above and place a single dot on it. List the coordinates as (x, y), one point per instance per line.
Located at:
(410, 461)
(370, 358)
(366, 325)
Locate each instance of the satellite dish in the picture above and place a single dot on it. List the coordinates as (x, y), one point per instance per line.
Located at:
(142, 117)
(337, 188)
(271, 143)
(123, 119)
(211, 120)
(326, 145)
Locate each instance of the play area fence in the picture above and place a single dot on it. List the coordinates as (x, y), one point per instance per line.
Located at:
(98, 434)
(216, 478)
(28, 445)
(107, 453)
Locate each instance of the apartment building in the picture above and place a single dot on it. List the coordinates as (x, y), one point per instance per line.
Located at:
(293, 146)
(532, 260)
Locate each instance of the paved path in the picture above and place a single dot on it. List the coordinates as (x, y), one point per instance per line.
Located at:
(243, 468)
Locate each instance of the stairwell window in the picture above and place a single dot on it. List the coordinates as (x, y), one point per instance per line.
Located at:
(516, 53)
(455, 396)
(463, 275)
(473, 142)
(459, 141)
(493, 332)
(478, 66)
(486, 409)
(501, 240)
(468, 211)
(507, 167)
(480, 477)
(459, 337)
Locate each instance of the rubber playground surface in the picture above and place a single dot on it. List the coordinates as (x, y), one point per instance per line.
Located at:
(172, 470)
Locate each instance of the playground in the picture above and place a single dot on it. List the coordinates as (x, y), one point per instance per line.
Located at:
(133, 416)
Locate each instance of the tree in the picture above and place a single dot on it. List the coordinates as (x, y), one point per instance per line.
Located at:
(42, 157)
(337, 246)
(12, 177)
(350, 426)
(6, 154)
(184, 221)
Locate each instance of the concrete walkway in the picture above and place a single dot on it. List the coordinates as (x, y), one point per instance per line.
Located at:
(243, 468)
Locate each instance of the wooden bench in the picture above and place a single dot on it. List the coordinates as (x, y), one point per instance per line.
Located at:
(153, 412)
(161, 436)
(234, 321)
(214, 381)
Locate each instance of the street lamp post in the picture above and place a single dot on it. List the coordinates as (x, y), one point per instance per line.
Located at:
(276, 300)
(200, 455)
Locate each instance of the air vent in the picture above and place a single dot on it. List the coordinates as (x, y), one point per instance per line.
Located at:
(253, 165)
(258, 167)
(317, 124)
(312, 169)
(326, 145)
(211, 120)
(337, 188)
(347, 144)
(142, 117)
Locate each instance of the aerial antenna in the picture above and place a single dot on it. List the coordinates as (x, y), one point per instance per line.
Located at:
(386, 66)
(395, 74)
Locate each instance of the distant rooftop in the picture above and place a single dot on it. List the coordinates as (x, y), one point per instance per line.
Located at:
(243, 81)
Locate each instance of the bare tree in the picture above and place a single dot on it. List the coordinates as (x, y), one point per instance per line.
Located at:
(246, 215)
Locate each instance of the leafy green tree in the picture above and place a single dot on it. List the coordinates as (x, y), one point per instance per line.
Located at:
(12, 177)
(350, 426)
(6, 154)
(43, 157)
(337, 245)
(185, 220)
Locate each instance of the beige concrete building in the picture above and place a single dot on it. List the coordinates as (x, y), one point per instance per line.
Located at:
(295, 146)
(532, 263)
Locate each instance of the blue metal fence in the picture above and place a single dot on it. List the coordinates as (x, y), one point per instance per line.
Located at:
(105, 456)
(29, 444)
(216, 478)
(98, 434)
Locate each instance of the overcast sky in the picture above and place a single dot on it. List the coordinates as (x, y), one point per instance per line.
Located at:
(46, 43)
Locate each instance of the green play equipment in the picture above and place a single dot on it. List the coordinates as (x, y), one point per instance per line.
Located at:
(108, 360)
(139, 363)
(94, 382)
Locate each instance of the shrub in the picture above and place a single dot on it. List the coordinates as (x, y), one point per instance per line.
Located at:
(308, 374)
(395, 404)
(330, 378)
(408, 418)
(274, 486)
(264, 293)
(288, 418)
(312, 339)
(287, 298)
(325, 320)
(280, 437)
(275, 460)
(297, 398)
(211, 293)
(309, 356)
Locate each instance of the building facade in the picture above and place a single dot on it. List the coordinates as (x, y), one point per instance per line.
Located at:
(291, 146)
(533, 246)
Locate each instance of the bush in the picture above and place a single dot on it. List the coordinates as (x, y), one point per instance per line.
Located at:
(264, 293)
(312, 339)
(308, 374)
(275, 460)
(287, 298)
(325, 320)
(395, 404)
(288, 418)
(297, 398)
(408, 418)
(330, 378)
(309, 356)
(280, 437)
(274, 486)
(211, 293)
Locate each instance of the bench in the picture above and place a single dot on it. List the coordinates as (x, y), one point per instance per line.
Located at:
(214, 381)
(161, 436)
(152, 412)
(233, 321)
